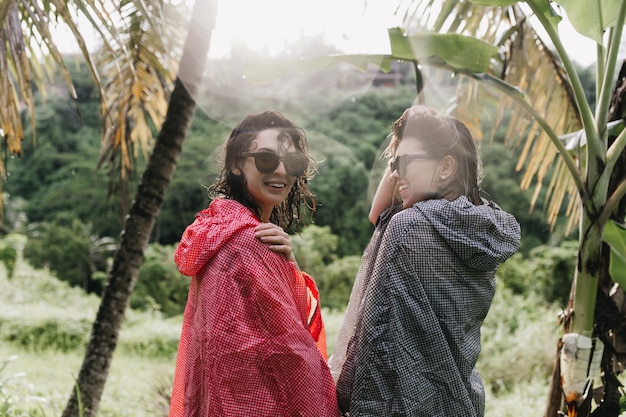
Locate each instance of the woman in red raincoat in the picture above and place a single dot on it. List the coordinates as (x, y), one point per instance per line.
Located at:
(253, 340)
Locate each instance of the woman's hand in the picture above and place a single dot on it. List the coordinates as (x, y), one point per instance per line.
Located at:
(384, 197)
(276, 238)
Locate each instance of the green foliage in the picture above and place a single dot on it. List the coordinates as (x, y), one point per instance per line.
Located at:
(515, 328)
(314, 248)
(40, 333)
(160, 287)
(59, 175)
(62, 249)
(8, 256)
(151, 337)
(14, 219)
(546, 273)
(346, 141)
(336, 284)
(615, 237)
(342, 201)
(69, 249)
(47, 314)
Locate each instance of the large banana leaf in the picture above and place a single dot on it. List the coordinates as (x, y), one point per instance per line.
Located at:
(591, 18)
(452, 49)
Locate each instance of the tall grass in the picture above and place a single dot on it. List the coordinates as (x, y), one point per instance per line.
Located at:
(519, 343)
(44, 327)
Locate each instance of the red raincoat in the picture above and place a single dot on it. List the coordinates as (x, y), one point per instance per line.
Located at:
(253, 340)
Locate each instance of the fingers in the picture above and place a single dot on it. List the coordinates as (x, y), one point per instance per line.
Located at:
(271, 233)
(276, 239)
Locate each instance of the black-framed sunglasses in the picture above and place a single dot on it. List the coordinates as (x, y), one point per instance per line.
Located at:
(267, 162)
(400, 162)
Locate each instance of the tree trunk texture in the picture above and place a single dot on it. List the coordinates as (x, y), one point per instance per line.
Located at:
(142, 216)
(610, 314)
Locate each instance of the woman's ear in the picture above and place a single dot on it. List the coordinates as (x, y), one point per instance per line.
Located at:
(235, 170)
(448, 167)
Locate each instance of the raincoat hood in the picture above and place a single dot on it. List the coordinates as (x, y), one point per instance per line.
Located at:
(481, 236)
(213, 227)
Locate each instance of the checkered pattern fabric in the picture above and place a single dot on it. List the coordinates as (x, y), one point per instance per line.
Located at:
(416, 334)
(247, 345)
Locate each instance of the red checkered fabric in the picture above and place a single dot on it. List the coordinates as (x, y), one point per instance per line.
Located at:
(253, 340)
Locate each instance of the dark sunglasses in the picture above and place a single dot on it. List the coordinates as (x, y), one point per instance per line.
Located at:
(399, 164)
(267, 162)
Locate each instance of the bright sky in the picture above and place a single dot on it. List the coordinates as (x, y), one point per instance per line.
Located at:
(354, 26)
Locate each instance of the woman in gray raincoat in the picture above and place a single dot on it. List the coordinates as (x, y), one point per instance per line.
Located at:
(411, 334)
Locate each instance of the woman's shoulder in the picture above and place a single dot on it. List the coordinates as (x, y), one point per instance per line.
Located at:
(406, 217)
(406, 225)
(230, 210)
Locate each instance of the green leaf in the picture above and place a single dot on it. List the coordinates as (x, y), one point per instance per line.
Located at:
(591, 17)
(615, 237)
(457, 51)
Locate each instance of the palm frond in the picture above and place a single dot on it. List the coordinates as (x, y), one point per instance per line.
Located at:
(140, 47)
(140, 75)
(526, 62)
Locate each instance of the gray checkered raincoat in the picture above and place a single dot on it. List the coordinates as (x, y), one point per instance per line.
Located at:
(411, 335)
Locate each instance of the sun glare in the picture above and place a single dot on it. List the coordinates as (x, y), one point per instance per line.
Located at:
(270, 25)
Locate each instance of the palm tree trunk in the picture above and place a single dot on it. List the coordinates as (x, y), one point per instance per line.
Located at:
(142, 216)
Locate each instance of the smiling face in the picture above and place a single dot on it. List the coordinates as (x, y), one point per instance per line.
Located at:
(267, 189)
(417, 178)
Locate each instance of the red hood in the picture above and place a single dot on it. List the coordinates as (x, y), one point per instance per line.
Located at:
(206, 235)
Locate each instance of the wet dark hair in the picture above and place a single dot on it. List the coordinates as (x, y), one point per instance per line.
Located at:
(229, 185)
(441, 136)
